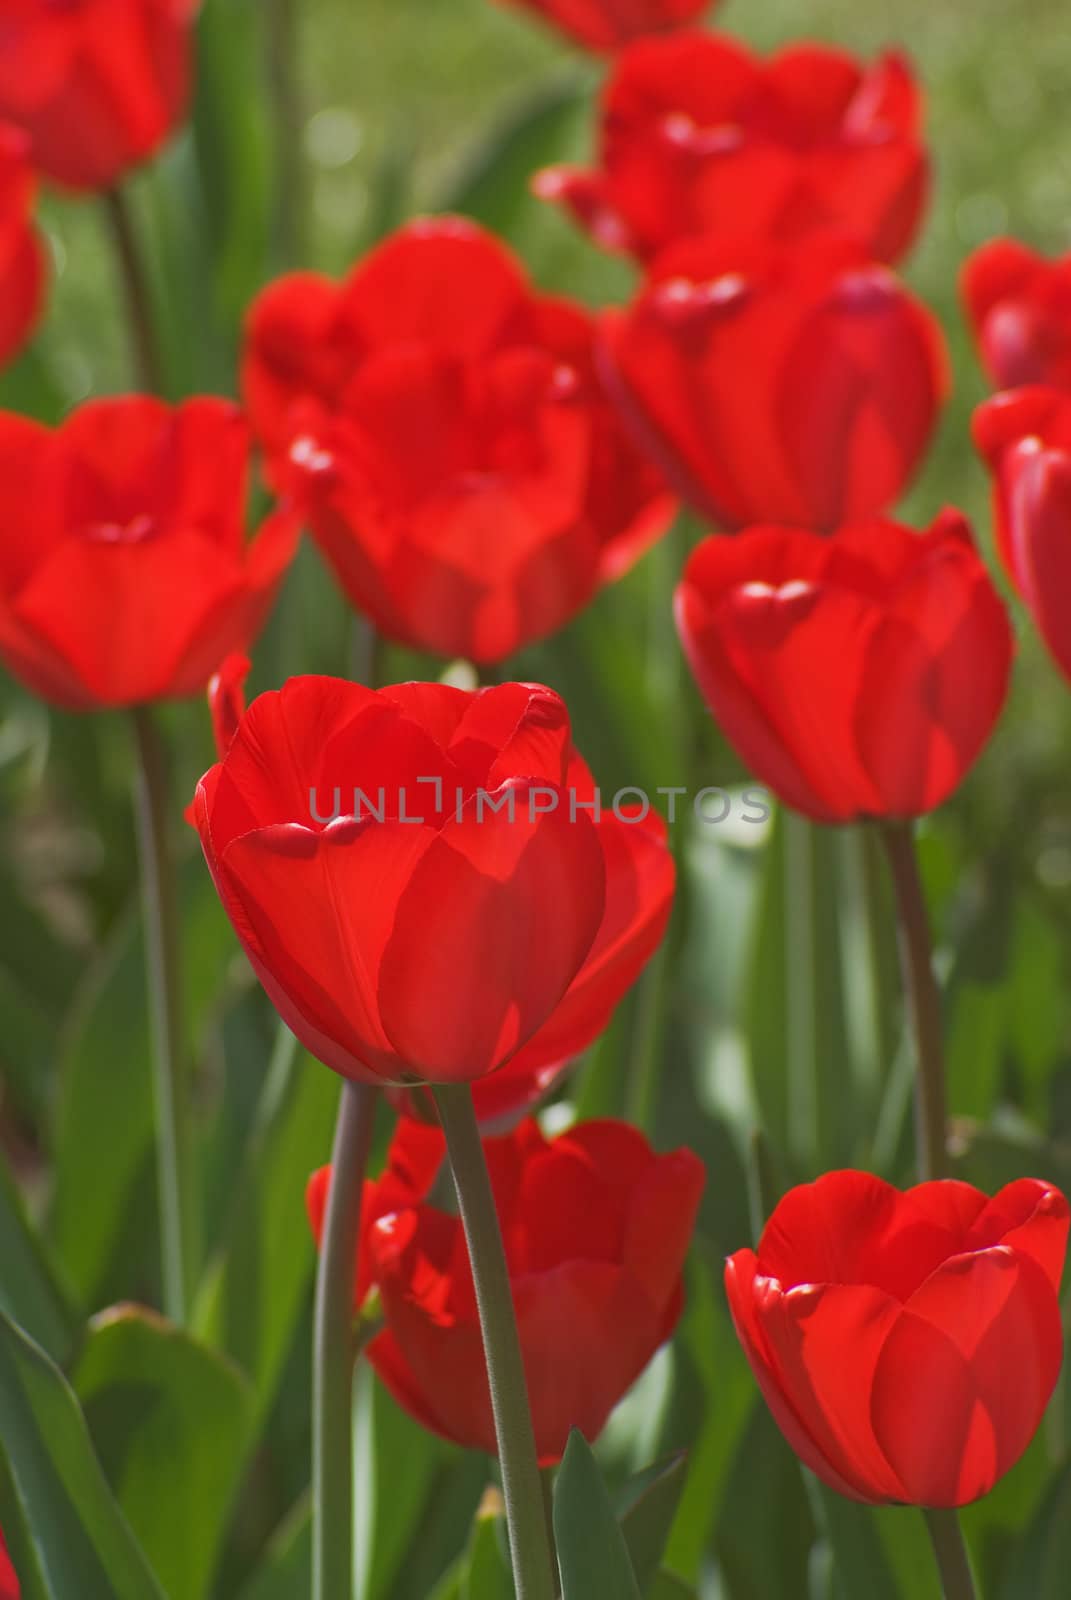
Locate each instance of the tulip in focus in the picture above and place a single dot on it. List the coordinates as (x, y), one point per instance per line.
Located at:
(772, 383)
(22, 257)
(125, 573)
(1019, 306)
(1025, 437)
(907, 1344)
(596, 1227)
(640, 877)
(608, 24)
(464, 909)
(700, 137)
(445, 433)
(97, 85)
(859, 675)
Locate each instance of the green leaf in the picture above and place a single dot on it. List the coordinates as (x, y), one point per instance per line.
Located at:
(259, 1285)
(170, 1421)
(488, 1575)
(286, 1568)
(29, 1291)
(883, 1554)
(646, 1510)
(592, 1553)
(395, 1461)
(84, 1546)
(493, 187)
(1042, 1559)
(725, 1400)
(101, 1223)
(667, 1586)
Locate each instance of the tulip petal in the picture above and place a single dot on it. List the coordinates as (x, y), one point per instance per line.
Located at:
(495, 921)
(742, 1285)
(315, 913)
(966, 1374)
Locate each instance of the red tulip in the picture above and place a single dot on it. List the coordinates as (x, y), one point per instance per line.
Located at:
(639, 897)
(226, 700)
(98, 85)
(596, 1228)
(462, 900)
(124, 572)
(858, 675)
(1019, 306)
(444, 431)
(1025, 436)
(608, 24)
(9, 1581)
(701, 137)
(792, 384)
(906, 1344)
(22, 259)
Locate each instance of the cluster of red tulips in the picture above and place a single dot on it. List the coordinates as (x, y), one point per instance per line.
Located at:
(425, 878)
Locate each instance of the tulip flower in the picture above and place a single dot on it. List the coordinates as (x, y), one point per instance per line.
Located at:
(597, 1228)
(774, 383)
(444, 431)
(699, 136)
(608, 24)
(22, 259)
(906, 1343)
(97, 85)
(465, 907)
(859, 675)
(1025, 436)
(1019, 307)
(125, 576)
(9, 1580)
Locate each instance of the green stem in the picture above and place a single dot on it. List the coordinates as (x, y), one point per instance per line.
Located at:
(162, 956)
(283, 59)
(521, 1484)
(135, 290)
(923, 1001)
(953, 1562)
(334, 1349)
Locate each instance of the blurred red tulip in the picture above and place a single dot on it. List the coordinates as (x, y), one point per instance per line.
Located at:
(596, 1228)
(97, 84)
(1025, 436)
(858, 675)
(446, 435)
(701, 137)
(906, 1344)
(414, 1161)
(1019, 307)
(416, 880)
(608, 24)
(778, 384)
(125, 575)
(22, 257)
(9, 1582)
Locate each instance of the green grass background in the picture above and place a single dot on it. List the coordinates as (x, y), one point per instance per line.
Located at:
(775, 1008)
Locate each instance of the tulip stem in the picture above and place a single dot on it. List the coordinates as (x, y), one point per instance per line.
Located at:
(334, 1349)
(281, 18)
(163, 969)
(923, 1000)
(135, 290)
(521, 1483)
(950, 1548)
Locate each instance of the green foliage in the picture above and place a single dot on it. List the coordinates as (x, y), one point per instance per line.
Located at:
(777, 1006)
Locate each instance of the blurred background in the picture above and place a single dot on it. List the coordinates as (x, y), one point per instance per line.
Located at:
(320, 125)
